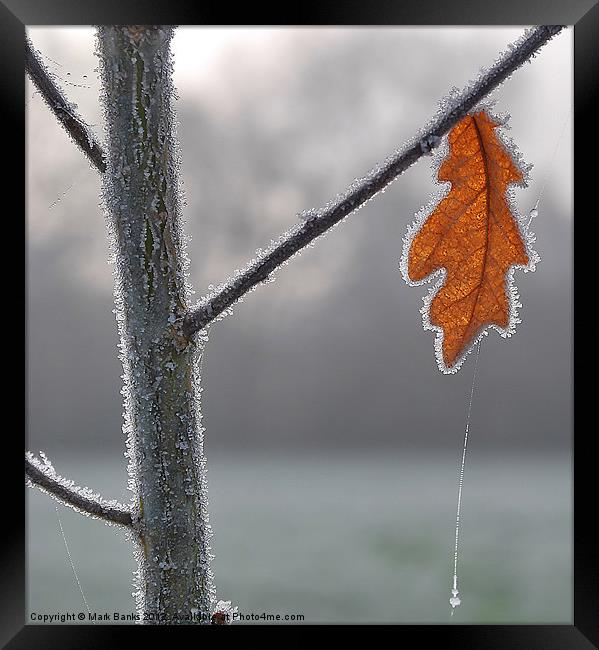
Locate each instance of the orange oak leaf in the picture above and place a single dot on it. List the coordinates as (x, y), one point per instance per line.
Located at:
(472, 235)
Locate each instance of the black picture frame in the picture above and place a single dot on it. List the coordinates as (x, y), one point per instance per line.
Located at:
(582, 14)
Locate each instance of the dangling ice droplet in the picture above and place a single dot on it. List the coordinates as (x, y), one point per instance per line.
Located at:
(60, 197)
(534, 213)
(455, 600)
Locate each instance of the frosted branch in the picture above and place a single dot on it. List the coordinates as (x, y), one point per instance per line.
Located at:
(41, 474)
(316, 222)
(64, 111)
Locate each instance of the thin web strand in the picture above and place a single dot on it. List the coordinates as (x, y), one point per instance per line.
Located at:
(535, 210)
(455, 600)
(64, 539)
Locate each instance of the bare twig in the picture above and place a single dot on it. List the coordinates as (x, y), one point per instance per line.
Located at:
(64, 111)
(319, 221)
(43, 476)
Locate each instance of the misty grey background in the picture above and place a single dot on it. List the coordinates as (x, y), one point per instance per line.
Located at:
(332, 438)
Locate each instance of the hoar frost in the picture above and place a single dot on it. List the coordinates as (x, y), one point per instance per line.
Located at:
(161, 395)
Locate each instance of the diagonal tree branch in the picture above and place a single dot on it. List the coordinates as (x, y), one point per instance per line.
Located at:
(318, 221)
(65, 112)
(42, 475)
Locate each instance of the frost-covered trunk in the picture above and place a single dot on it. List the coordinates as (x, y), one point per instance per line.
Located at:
(161, 380)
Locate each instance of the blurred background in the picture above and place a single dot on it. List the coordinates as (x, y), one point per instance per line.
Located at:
(333, 441)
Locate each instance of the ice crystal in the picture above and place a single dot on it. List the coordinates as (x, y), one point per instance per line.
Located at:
(223, 613)
(44, 465)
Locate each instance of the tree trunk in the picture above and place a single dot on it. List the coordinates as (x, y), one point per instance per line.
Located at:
(161, 370)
